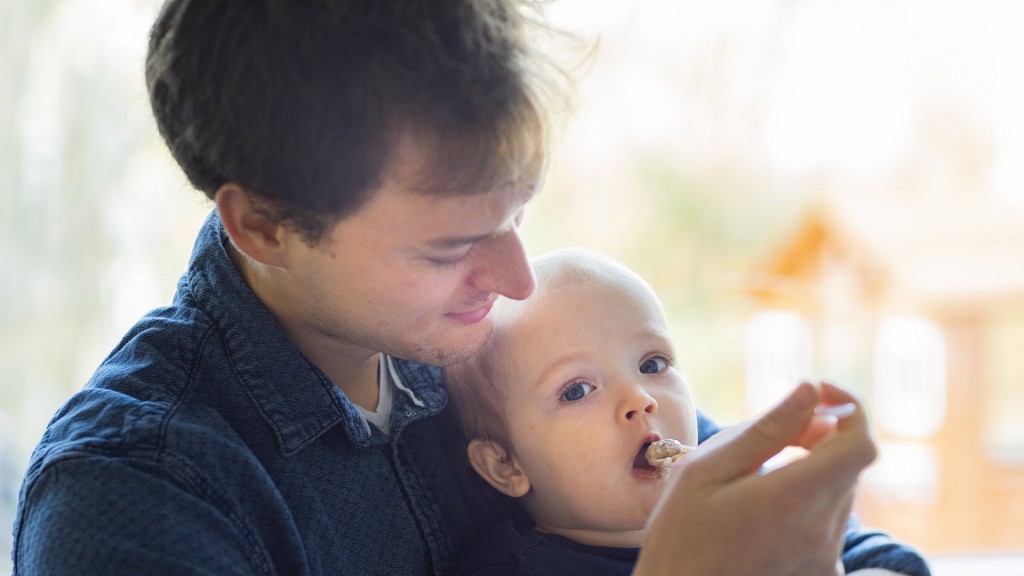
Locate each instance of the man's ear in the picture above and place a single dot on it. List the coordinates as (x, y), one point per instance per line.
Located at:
(247, 221)
(498, 467)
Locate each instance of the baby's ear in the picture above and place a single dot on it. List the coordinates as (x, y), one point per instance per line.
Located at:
(498, 467)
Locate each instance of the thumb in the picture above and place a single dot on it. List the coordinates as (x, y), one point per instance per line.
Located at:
(743, 449)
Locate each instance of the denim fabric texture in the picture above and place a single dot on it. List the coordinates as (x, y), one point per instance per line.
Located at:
(205, 443)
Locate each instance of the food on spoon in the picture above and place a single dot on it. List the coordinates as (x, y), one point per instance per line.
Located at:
(664, 452)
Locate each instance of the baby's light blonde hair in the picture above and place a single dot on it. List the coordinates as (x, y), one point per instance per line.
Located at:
(477, 386)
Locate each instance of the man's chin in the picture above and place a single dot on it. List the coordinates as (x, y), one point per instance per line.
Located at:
(461, 351)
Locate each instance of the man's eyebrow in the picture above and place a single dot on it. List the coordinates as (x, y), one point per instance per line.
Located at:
(448, 242)
(459, 241)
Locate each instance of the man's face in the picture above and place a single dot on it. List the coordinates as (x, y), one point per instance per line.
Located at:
(409, 273)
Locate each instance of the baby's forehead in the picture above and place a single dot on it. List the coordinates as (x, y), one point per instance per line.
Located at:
(598, 278)
(576, 275)
(590, 295)
(572, 265)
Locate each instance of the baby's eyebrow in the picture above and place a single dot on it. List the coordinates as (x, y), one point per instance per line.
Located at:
(554, 366)
(655, 332)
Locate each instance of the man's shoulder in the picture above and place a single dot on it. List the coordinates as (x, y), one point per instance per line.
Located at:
(130, 418)
(143, 394)
(114, 468)
(161, 349)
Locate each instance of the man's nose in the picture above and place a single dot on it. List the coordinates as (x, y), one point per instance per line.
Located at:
(503, 267)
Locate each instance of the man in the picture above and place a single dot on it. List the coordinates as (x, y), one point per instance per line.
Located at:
(369, 161)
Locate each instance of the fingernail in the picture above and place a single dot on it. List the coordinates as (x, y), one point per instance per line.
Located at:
(837, 411)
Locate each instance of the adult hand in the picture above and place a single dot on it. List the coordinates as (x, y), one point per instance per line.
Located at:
(722, 517)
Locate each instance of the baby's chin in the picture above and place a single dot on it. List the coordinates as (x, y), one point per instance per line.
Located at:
(599, 536)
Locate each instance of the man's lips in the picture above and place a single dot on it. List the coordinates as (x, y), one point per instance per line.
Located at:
(473, 316)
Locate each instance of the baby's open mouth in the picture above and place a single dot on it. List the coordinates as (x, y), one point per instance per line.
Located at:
(659, 455)
(641, 461)
(664, 452)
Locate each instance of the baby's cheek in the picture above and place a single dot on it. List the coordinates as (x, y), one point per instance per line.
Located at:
(680, 418)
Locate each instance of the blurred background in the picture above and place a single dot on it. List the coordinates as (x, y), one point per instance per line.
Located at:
(815, 188)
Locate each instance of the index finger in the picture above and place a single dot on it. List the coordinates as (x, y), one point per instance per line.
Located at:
(839, 459)
(744, 448)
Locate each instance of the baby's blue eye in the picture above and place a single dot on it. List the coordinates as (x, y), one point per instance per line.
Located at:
(653, 365)
(576, 391)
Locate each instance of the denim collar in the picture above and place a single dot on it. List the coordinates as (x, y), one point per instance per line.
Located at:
(293, 396)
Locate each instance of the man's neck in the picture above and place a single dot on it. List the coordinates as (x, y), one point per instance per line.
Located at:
(352, 368)
(360, 381)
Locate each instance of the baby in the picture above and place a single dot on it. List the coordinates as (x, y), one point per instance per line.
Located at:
(577, 407)
(576, 386)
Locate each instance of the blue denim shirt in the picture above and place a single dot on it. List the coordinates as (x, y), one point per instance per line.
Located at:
(207, 444)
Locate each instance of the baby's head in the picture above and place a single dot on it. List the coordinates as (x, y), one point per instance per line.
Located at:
(572, 386)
